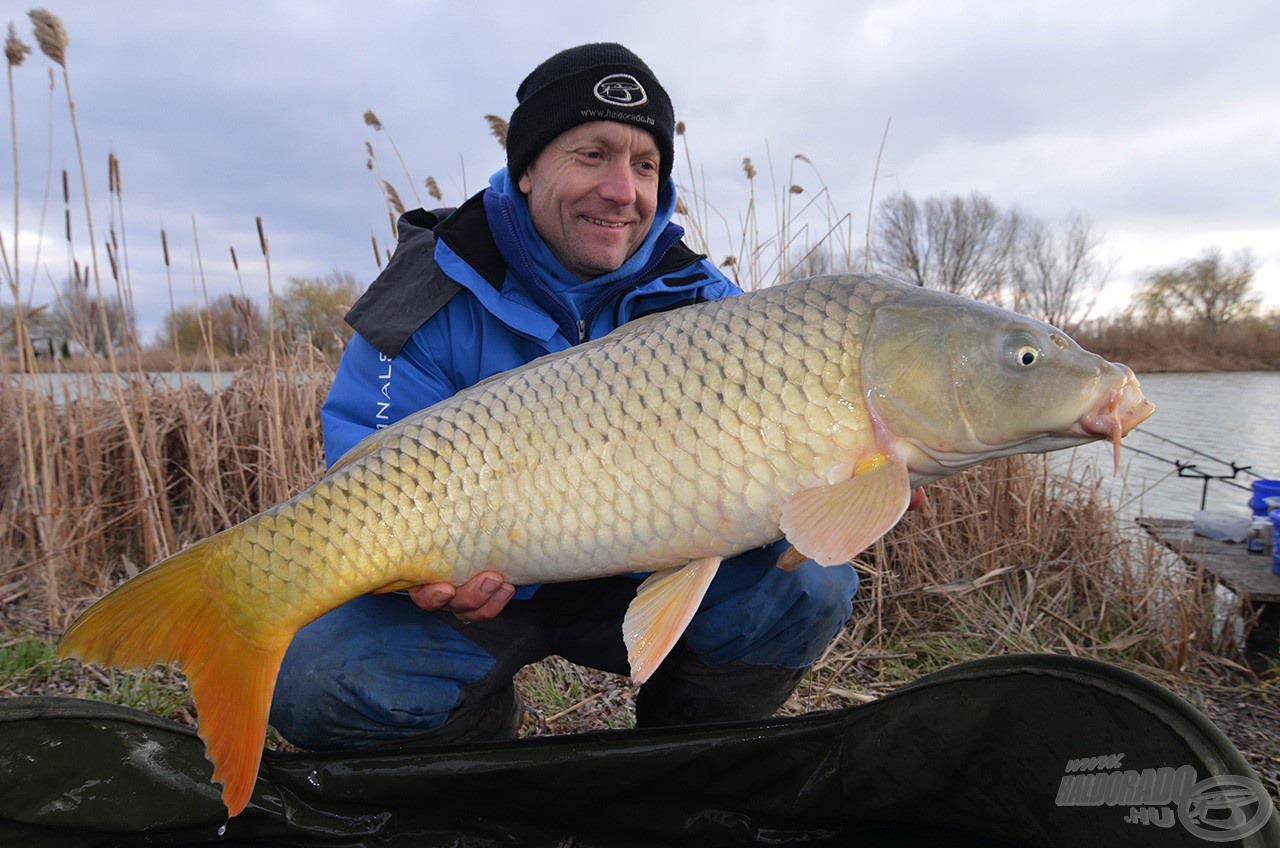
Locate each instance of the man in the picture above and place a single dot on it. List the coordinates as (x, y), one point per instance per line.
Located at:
(570, 240)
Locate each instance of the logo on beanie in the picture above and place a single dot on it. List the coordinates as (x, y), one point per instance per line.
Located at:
(621, 90)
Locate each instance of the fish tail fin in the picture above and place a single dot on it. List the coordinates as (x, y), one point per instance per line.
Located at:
(177, 611)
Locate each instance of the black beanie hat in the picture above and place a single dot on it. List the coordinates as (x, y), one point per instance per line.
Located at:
(593, 82)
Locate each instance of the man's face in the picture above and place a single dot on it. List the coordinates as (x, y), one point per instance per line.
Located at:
(592, 193)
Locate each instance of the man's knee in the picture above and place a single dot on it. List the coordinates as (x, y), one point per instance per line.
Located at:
(766, 616)
(374, 670)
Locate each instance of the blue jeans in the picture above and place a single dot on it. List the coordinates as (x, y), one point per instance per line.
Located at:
(378, 669)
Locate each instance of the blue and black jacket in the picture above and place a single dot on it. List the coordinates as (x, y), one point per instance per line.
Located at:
(447, 312)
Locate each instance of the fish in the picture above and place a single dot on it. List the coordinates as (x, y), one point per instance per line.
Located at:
(809, 410)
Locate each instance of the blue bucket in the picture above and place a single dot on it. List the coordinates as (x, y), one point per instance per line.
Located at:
(1275, 541)
(1263, 489)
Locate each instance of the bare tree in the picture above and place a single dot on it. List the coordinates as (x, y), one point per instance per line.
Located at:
(816, 261)
(1208, 290)
(961, 245)
(92, 323)
(1056, 276)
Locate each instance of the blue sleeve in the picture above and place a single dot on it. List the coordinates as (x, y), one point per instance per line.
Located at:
(371, 391)
(717, 285)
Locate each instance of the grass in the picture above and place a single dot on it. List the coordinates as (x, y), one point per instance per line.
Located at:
(28, 665)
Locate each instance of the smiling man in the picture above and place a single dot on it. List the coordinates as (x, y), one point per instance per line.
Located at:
(592, 194)
(572, 239)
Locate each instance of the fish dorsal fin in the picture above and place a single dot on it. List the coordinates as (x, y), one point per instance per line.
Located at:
(369, 444)
(661, 610)
(612, 336)
(833, 524)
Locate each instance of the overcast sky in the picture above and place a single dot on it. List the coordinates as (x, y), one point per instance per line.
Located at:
(1158, 121)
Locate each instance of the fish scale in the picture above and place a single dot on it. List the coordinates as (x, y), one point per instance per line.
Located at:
(809, 409)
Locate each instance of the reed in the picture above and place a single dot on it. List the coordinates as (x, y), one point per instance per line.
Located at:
(1251, 344)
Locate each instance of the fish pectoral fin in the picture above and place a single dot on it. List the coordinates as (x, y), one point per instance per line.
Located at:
(833, 524)
(661, 610)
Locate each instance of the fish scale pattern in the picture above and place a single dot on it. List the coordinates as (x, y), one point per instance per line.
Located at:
(673, 439)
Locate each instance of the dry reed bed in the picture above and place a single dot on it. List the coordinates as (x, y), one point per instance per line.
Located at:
(1006, 557)
(97, 483)
(1247, 345)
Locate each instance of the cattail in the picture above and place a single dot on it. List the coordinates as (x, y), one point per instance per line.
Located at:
(164, 245)
(729, 262)
(235, 263)
(498, 127)
(262, 236)
(51, 35)
(795, 189)
(681, 209)
(748, 168)
(372, 120)
(433, 189)
(368, 164)
(115, 268)
(369, 149)
(14, 48)
(377, 257)
(679, 127)
(113, 174)
(803, 158)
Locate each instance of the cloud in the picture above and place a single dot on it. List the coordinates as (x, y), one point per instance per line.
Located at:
(1155, 119)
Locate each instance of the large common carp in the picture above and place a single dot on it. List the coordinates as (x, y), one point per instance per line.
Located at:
(808, 410)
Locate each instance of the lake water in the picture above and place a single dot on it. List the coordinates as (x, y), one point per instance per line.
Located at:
(69, 386)
(1231, 417)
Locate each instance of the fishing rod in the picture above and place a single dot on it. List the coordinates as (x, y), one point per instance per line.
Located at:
(1193, 471)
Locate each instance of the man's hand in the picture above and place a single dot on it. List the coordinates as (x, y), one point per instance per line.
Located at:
(479, 599)
(918, 498)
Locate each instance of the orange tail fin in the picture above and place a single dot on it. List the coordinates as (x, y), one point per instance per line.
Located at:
(176, 611)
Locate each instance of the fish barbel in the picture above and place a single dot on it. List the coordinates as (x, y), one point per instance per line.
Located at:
(809, 410)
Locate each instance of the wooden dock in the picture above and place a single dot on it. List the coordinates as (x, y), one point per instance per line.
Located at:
(1248, 575)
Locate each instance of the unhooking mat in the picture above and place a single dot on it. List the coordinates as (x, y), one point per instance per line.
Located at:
(1018, 750)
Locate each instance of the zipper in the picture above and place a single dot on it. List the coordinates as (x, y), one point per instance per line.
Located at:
(668, 237)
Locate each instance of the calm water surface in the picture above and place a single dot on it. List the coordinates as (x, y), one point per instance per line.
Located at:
(1233, 417)
(69, 386)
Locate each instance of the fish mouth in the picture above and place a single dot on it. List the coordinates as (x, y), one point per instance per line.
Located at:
(1122, 408)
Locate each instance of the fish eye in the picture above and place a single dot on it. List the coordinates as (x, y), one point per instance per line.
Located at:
(1023, 352)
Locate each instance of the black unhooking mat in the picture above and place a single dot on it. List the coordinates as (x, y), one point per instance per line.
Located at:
(1018, 750)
